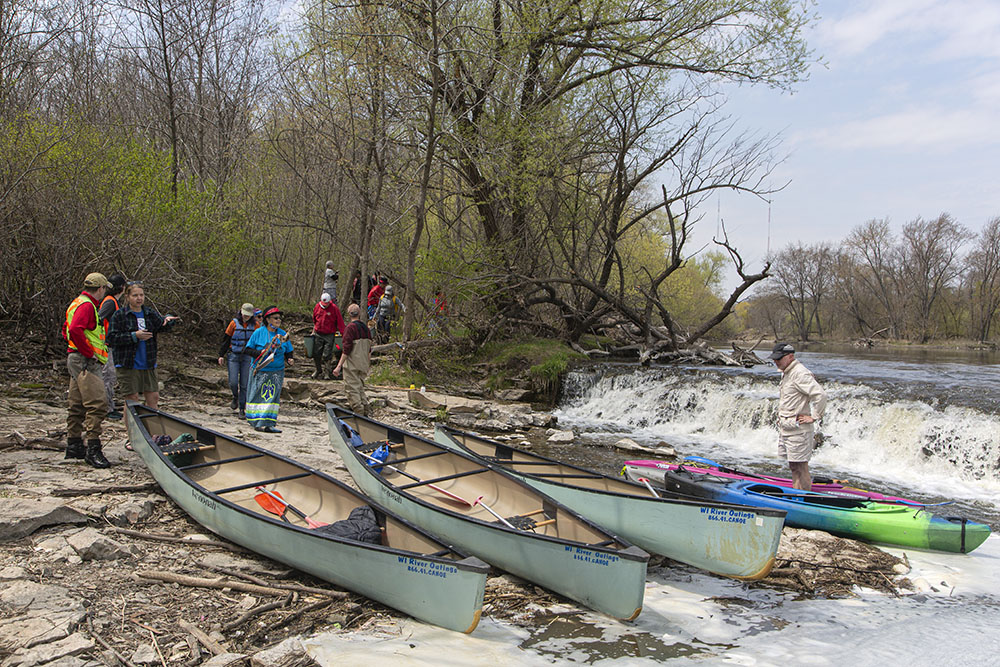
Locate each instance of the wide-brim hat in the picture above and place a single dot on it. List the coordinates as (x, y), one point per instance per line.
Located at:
(247, 310)
(781, 350)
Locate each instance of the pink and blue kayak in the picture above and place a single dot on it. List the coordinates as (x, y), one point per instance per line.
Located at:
(699, 465)
(854, 516)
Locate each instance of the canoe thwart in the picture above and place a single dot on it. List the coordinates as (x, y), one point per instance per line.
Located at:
(265, 482)
(207, 464)
(444, 478)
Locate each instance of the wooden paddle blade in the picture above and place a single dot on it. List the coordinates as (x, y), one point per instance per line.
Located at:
(270, 503)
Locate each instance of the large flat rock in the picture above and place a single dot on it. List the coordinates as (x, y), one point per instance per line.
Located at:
(20, 517)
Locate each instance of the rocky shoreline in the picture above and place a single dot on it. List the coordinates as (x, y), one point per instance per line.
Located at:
(98, 566)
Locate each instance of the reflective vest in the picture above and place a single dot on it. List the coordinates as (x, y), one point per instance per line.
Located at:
(241, 334)
(106, 327)
(94, 336)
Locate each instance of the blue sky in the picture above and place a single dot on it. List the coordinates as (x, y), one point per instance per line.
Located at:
(901, 121)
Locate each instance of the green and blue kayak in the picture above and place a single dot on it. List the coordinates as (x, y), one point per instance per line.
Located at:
(857, 517)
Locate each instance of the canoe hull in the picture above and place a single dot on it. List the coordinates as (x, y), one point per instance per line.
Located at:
(741, 545)
(608, 581)
(448, 594)
(884, 523)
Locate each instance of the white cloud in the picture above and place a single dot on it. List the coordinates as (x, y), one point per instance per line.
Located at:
(947, 29)
(919, 128)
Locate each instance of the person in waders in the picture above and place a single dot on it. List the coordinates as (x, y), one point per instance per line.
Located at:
(356, 360)
(86, 354)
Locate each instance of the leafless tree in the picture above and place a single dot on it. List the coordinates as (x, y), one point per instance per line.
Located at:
(929, 252)
(982, 280)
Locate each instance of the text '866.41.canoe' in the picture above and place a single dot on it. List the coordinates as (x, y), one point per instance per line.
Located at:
(491, 514)
(299, 516)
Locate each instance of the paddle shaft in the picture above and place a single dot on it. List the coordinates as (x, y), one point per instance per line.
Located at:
(651, 490)
(312, 523)
(479, 501)
(417, 479)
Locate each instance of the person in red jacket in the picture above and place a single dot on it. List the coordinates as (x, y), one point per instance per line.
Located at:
(374, 295)
(327, 323)
(86, 354)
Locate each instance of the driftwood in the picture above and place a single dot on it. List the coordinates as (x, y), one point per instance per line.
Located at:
(257, 611)
(410, 345)
(215, 647)
(746, 356)
(296, 588)
(869, 341)
(199, 582)
(132, 488)
(178, 540)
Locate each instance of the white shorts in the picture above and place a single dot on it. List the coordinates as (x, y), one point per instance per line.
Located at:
(796, 446)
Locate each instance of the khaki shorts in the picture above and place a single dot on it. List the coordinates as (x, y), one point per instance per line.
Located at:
(796, 446)
(131, 381)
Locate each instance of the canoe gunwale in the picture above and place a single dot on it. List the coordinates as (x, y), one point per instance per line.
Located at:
(465, 561)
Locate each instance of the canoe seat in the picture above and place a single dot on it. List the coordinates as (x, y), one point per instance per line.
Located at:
(185, 448)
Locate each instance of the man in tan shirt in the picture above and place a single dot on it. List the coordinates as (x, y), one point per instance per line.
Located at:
(801, 403)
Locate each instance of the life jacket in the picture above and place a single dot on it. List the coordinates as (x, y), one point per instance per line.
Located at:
(94, 336)
(385, 308)
(241, 335)
(117, 306)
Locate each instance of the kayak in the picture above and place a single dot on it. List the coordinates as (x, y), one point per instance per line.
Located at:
(836, 487)
(659, 522)
(491, 514)
(857, 518)
(296, 515)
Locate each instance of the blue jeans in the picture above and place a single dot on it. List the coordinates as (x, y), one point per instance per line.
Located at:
(239, 374)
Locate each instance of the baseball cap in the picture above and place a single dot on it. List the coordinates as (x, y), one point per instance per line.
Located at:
(780, 350)
(96, 280)
(247, 309)
(325, 297)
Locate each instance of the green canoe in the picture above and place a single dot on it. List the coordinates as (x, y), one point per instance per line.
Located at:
(492, 514)
(684, 530)
(215, 478)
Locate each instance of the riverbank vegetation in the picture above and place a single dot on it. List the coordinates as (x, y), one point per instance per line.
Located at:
(541, 165)
(934, 280)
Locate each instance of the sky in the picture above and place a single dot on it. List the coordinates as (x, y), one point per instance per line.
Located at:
(901, 120)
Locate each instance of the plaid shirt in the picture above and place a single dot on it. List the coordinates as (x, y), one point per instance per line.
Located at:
(124, 345)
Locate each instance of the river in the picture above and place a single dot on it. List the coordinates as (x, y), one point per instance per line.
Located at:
(922, 424)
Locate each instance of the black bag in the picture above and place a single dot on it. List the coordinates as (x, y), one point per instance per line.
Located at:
(360, 525)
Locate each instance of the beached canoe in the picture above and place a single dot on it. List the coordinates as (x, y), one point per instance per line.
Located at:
(691, 531)
(858, 518)
(491, 514)
(215, 479)
(655, 470)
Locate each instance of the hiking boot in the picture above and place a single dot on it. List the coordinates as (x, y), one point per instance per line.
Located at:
(75, 448)
(243, 414)
(235, 405)
(316, 374)
(95, 455)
